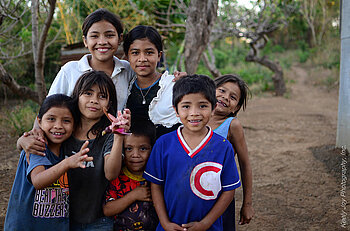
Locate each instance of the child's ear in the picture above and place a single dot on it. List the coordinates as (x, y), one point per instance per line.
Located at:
(177, 115)
(39, 121)
(85, 42)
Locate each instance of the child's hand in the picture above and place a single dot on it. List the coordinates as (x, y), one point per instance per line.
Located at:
(194, 226)
(246, 214)
(178, 75)
(38, 134)
(142, 193)
(32, 142)
(173, 227)
(78, 160)
(125, 119)
(121, 124)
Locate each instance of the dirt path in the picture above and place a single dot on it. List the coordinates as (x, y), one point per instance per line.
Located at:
(296, 169)
(8, 165)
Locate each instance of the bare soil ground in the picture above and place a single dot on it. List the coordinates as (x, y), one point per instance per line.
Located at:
(296, 169)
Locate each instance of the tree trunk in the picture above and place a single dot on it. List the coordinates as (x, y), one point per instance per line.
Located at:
(38, 50)
(24, 92)
(210, 63)
(308, 10)
(201, 17)
(325, 21)
(278, 81)
(38, 43)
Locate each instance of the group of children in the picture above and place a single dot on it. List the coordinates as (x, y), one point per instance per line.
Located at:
(183, 181)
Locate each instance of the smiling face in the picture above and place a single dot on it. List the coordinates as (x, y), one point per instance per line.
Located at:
(143, 57)
(228, 95)
(102, 41)
(137, 150)
(194, 111)
(91, 103)
(57, 124)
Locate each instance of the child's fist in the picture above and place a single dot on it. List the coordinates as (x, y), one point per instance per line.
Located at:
(142, 193)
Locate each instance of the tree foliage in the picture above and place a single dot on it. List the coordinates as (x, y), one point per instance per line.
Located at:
(17, 19)
(319, 15)
(72, 14)
(255, 26)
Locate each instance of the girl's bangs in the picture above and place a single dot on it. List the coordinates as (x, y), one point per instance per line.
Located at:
(89, 84)
(103, 89)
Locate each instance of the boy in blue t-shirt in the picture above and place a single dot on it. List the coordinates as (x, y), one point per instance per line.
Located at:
(192, 170)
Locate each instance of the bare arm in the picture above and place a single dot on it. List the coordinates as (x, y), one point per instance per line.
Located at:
(218, 209)
(42, 178)
(159, 204)
(236, 137)
(141, 193)
(113, 161)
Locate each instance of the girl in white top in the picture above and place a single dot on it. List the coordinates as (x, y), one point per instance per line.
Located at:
(151, 93)
(102, 33)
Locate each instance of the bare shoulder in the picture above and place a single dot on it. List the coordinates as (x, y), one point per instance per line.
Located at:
(236, 131)
(235, 125)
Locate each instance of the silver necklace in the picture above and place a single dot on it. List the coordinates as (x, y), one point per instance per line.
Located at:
(144, 95)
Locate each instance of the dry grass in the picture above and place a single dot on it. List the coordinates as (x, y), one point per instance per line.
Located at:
(18, 119)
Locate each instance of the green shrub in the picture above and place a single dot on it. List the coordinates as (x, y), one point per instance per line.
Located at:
(287, 58)
(277, 49)
(303, 55)
(256, 76)
(332, 60)
(302, 45)
(250, 76)
(202, 70)
(270, 49)
(20, 118)
(221, 58)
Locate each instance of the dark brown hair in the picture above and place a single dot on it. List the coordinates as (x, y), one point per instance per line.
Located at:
(106, 85)
(100, 15)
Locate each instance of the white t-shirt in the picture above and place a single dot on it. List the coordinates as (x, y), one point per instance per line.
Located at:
(69, 74)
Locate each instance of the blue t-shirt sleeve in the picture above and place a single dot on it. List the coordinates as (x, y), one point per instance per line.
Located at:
(154, 171)
(229, 176)
(35, 161)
